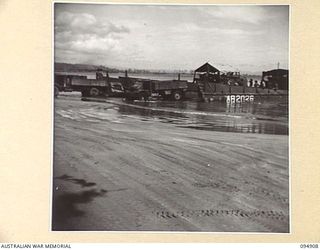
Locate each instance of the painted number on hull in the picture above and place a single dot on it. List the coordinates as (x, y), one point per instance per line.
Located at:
(239, 98)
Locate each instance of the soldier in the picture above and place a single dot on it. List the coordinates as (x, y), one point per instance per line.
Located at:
(250, 82)
(99, 74)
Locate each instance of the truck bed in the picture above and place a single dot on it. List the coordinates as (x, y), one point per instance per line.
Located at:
(169, 85)
(89, 82)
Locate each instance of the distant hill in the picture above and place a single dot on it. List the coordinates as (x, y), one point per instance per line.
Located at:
(68, 67)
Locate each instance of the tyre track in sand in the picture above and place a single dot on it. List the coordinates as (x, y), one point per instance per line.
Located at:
(162, 173)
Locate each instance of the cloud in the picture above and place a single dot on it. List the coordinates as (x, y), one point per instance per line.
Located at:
(213, 30)
(86, 23)
(152, 36)
(244, 14)
(84, 33)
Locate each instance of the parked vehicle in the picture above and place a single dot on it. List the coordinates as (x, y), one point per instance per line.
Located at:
(97, 87)
(145, 89)
(102, 85)
(62, 82)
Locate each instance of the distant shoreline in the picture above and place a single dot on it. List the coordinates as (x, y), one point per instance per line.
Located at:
(79, 68)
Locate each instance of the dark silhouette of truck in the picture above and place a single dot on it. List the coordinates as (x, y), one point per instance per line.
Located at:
(62, 82)
(143, 89)
(102, 85)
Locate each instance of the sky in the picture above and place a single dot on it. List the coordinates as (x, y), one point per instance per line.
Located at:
(249, 38)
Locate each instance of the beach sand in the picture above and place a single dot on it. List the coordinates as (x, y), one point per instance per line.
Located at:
(116, 172)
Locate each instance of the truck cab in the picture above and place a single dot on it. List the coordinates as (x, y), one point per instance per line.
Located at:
(63, 82)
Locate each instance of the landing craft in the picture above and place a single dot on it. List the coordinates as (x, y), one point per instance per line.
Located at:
(239, 98)
(215, 84)
(276, 78)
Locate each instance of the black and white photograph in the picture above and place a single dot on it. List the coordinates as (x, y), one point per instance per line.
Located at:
(170, 118)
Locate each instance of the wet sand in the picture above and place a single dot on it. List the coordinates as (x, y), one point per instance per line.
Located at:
(117, 171)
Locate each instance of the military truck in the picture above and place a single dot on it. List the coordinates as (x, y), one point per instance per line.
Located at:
(97, 87)
(102, 85)
(62, 82)
(144, 89)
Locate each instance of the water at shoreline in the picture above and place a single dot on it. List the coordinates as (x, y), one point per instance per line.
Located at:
(263, 116)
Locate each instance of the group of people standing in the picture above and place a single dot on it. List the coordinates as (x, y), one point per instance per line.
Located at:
(257, 84)
(263, 84)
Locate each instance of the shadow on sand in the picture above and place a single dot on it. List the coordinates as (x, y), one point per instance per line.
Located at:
(83, 183)
(65, 207)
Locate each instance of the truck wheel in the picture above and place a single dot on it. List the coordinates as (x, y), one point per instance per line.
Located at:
(177, 96)
(94, 92)
(56, 91)
(143, 96)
